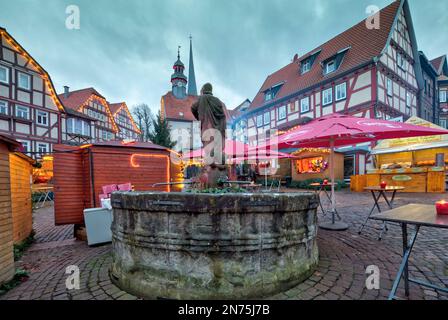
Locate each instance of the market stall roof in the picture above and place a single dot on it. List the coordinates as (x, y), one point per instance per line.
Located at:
(130, 144)
(414, 143)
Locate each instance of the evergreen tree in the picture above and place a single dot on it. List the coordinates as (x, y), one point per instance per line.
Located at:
(160, 133)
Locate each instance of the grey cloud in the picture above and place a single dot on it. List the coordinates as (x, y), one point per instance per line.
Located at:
(126, 48)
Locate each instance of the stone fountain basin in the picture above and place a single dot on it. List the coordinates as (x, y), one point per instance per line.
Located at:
(209, 246)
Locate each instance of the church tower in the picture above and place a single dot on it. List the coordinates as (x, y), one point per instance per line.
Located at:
(178, 79)
(192, 90)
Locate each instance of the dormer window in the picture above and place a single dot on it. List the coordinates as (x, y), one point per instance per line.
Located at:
(271, 93)
(268, 96)
(332, 63)
(307, 63)
(306, 66)
(330, 66)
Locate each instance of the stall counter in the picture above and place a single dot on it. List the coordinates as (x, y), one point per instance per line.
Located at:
(415, 180)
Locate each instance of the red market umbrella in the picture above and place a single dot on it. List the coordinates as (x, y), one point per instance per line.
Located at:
(338, 130)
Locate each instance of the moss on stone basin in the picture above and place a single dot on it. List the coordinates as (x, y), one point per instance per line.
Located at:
(207, 246)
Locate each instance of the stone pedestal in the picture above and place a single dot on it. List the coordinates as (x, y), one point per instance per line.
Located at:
(206, 246)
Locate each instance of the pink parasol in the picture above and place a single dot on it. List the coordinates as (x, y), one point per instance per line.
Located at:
(338, 130)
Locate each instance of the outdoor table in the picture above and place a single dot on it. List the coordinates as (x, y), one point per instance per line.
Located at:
(321, 188)
(377, 193)
(418, 215)
(44, 195)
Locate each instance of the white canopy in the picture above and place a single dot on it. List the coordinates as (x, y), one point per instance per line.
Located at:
(412, 144)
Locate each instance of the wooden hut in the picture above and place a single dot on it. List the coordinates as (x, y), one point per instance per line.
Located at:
(7, 145)
(314, 163)
(81, 172)
(21, 168)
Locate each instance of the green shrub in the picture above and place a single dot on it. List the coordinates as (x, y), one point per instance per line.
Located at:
(19, 277)
(20, 248)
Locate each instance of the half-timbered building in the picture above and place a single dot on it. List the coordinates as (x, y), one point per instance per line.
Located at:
(127, 128)
(367, 71)
(428, 102)
(97, 122)
(30, 110)
(441, 66)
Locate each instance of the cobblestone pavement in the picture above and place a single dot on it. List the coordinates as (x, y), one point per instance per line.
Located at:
(344, 257)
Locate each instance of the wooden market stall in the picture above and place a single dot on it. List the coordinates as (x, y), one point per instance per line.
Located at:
(314, 163)
(21, 168)
(408, 162)
(81, 172)
(15, 202)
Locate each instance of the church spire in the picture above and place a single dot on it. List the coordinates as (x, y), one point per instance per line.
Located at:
(192, 91)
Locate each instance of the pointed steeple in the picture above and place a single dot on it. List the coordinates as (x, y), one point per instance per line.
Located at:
(192, 91)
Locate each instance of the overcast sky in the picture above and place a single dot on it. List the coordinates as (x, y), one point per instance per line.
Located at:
(126, 49)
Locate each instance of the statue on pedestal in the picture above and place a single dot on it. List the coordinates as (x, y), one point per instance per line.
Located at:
(210, 111)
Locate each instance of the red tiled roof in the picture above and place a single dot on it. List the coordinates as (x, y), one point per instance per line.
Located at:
(136, 144)
(114, 107)
(364, 44)
(180, 109)
(437, 62)
(76, 98)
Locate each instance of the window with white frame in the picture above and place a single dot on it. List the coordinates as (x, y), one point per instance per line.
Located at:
(305, 105)
(24, 81)
(443, 96)
(3, 107)
(268, 96)
(282, 113)
(408, 99)
(389, 87)
(4, 74)
(341, 91)
(260, 120)
(442, 123)
(327, 96)
(43, 148)
(78, 126)
(26, 145)
(42, 117)
(267, 118)
(330, 66)
(306, 66)
(22, 112)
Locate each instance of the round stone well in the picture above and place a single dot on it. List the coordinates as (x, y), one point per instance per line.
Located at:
(212, 246)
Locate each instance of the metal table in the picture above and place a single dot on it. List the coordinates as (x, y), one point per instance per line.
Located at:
(377, 193)
(44, 195)
(418, 215)
(320, 188)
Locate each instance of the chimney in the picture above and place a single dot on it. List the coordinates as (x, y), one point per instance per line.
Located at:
(295, 58)
(66, 91)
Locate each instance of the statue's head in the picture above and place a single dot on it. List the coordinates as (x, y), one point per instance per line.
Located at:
(207, 89)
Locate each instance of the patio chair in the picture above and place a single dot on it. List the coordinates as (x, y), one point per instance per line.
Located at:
(125, 187)
(107, 190)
